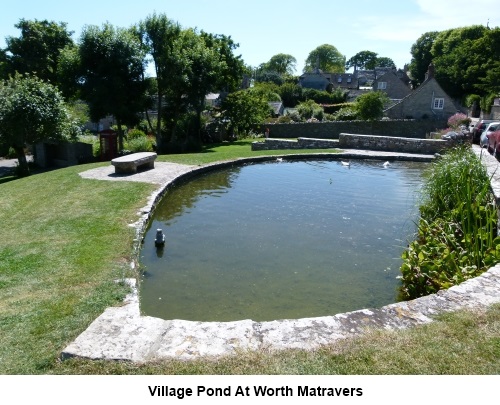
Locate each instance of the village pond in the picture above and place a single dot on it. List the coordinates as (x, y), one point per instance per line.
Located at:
(278, 240)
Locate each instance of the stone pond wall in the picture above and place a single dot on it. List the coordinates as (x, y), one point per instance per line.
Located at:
(356, 141)
(332, 130)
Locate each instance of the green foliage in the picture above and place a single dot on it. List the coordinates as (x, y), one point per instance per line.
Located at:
(346, 114)
(487, 102)
(456, 237)
(471, 99)
(242, 110)
(362, 60)
(30, 111)
(309, 109)
(370, 106)
(139, 143)
(290, 94)
(327, 58)
(421, 52)
(36, 51)
(324, 97)
(135, 133)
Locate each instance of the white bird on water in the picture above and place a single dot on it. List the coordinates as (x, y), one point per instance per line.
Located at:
(386, 164)
(279, 159)
(348, 163)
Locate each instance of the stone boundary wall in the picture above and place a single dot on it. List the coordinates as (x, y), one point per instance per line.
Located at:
(332, 130)
(393, 144)
(357, 141)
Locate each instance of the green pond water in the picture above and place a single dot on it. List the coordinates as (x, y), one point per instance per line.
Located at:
(280, 240)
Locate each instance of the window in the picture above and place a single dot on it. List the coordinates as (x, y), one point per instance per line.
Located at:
(339, 80)
(349, 79)
(438, 104)
(381, 85)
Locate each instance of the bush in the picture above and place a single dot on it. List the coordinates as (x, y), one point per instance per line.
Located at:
(370, 106)
(140, 144)
(309, 109)
(135, 133)
(346, 114)
(456, 237)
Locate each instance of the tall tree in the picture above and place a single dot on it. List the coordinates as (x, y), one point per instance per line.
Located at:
(327, 58)
(462, 56)
(111, 62)
(362, 60)
(36, 50)
(421, 52)
(160, 35)
(282, 63)
(384, 61)
(31, 110)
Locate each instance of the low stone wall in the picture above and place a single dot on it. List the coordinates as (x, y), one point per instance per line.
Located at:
(332, 130)
(301, 143)
(357, 141)
(393, 144)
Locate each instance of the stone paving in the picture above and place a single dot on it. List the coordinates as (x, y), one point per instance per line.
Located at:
(121, 333)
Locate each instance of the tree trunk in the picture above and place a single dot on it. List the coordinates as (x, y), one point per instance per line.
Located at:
(24, 169)
(120, 134)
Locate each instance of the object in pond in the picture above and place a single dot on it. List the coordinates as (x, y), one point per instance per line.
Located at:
(344, 163)
(386, 164)
(160, 238)
(279, 160)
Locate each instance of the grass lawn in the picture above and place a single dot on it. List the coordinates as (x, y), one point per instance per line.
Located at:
(64, 240)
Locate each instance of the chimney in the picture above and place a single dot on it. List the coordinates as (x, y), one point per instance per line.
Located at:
(430, 72)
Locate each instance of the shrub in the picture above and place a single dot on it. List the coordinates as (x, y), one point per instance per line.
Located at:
(135, 133)
(140, 144)
(309, 109)
(456, 237)
(346, 114)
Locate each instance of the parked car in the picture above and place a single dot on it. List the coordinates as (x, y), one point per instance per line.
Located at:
(478, 129)
(491, 134)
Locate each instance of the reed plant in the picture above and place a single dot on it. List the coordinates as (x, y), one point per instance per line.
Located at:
(457, 231)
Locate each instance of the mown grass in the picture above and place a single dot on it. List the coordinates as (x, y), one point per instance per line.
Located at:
(64, 240)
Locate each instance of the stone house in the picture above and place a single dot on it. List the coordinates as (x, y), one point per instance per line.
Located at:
(392, 85)
(429, 100)
(320, 80)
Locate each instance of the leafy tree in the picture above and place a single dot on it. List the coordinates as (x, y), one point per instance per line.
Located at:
(327, 58)
(282, 63)
(370, 106)
(421, 52)
(242, 110)
(460, 57)
(290, 94)
(159, 35)
(36, 50)
(385, 62)
(111, 69)
(268, 76)
(31, 110)
(362, 60)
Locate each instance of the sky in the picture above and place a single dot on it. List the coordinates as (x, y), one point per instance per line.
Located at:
(264, 28)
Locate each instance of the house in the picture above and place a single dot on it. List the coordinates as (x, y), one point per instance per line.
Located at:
(392, 85)
(429, 100)
(278, 109)
(318, 80)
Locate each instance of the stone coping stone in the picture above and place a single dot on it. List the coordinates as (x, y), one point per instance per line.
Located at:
(122, 333)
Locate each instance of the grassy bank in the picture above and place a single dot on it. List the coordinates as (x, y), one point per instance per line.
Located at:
(65, 239)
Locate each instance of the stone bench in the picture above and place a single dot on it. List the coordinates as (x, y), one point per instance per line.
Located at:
(130, 163)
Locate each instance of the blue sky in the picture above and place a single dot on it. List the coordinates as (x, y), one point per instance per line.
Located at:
(264, 28)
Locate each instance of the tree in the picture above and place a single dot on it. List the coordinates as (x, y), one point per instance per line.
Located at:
(31, 110)
(327, 58)
(111, 71)
(160, 35)
(421, 52)
(385, 62)
(462, 56)
(370, 106)
(242, 110)
(282, 63)
(362, 60)
(37, 49)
